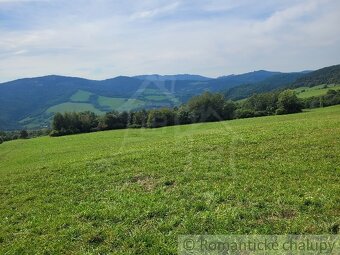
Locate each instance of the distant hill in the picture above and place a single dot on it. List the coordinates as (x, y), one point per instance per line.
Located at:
(327, 75)
(281, 80)
(31, 102)
(27, 101)
(251, 77)
(176, 77)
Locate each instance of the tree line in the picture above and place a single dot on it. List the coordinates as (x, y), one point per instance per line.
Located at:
(332, 97)
(22, 134)
(207, 107)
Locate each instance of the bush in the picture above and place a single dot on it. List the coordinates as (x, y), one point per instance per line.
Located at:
(280, 111)
(55, 133)
(161, 118)
(244, 113)
(23, 134)
(14, 137)
(134, 126)
(260, 113)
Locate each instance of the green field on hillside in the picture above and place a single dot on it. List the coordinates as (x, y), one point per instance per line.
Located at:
(81, 96)
(73, 107)
(156, 97)
(120, 104)
(305, 92)
(159, 96)
(83, 100)
(134, 191)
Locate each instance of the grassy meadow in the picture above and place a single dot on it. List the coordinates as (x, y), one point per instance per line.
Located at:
(81, 96)
(73, 107)
(305, 92)
(120, 104)
(134, 191)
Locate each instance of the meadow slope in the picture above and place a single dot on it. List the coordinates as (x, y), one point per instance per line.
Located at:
(134, 191)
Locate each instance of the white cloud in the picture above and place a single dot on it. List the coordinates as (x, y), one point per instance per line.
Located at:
(155, 11)
(101, 39)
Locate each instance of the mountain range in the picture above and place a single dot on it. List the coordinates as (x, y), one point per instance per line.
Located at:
(31, 102)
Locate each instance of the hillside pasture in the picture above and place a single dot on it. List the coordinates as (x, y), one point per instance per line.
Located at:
(73, 107)
(134, 191)
(305, 92)
(81, 96)
(120, 104)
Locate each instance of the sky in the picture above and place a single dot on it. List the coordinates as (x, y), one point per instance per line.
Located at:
(101, 39)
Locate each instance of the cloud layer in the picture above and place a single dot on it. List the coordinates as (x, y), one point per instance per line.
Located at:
(102, 38)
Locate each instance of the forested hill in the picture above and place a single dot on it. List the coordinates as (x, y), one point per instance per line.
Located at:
(31, 103)
(281, 80)
(327, 75)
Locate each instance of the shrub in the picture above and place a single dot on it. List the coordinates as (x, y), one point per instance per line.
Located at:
(244, 113)
(260, 113)
(134, 126)
(55, 133)
(23, 134)
(161, 118)
(280, 111)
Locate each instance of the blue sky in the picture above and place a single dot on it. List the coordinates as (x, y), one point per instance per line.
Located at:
(100, 39)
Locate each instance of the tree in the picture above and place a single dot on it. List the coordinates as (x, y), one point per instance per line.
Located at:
(161, 118)
(23, 134)
(140, 118)
(2, 136)
(88, 121)
(183, 115)
(124, 119)
(73, 123)
(113, 120)
(229, 108)
(58, 121)
(206, 107)
(332, 97)
(288, 102)
(262, 104)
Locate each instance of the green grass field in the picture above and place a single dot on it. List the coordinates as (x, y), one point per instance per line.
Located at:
(120, 104)
(73, 107)
(157, 97)
(81, 96)
(305, 92)
(134, 191)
